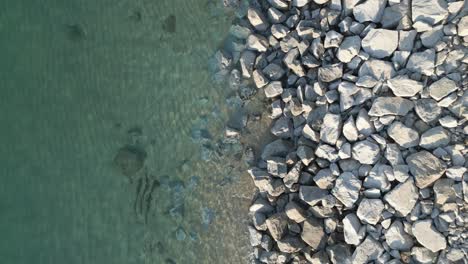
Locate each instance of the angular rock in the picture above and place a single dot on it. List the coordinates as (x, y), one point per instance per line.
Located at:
(329, 73)
(277, 148)
(390, 106)
(290, 244)
(257, 19)
(370, 10)
(404, 87)
(369, 210)
(380, 43)
(339, 254)
(428, 236)
(295, 212)
(366, 152)
(313, 233)
(444, 191)
(277, 225)
(407, 190)
(378, 69)
(349, 48)
(347, 188)
(312, 194)
(368, 250)
(434, 138)
(353, 234)
(442, 88)
(350, 131)
(363, 124)
(332, 39)
(425, 168)
(273, 89)
(331, 128)
(405, 137)
(427, 109)
(428, 12)
(257, 42)
(422, 62)
(397, 238)
(324, 179)
(306, 154)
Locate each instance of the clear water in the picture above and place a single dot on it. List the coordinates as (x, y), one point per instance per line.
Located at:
(79, 80)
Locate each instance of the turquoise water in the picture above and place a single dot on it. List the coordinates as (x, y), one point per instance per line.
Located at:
(78, 81)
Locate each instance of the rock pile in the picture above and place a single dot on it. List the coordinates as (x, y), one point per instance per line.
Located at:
(369, 109)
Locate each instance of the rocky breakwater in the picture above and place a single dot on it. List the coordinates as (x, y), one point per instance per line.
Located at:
(369, 110)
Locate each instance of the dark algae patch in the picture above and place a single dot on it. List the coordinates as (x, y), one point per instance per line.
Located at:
(169, 24)
(76, 32)
(130, 160)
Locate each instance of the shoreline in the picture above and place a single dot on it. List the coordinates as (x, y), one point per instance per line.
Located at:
(365, 106)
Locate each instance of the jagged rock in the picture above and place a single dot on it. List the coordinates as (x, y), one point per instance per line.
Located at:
(428, 236)
(331, 128)
(330, 73)
(257, 19)
(434, 138)
(277, 225)
(290, 244)
(353, 233)
(312, 194)
(347, 188)
(427, 109)
(428, 12)
(404, 87)
(366, 152)
(295, 212)
(380, 43)
(350, 131)
(349, 48)
(422, 62)
(405, 137)
(442, 88)
(390, 106)
(369, 10)
(313, 233)
(368, 250)
(406, 189)
(397, 238)
(369, 210)
(425, 168)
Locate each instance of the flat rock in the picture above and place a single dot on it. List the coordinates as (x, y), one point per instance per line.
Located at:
(257, 42)
(403, 86)
(407, 190)
(331, 128)
(405, 137)
(347, 188)
(422, 62)
(425, 168)
(397, 238)
(370, 10)
(442, 88)
(367, 251)
(380, 43)
(434, 138)
(257, 19)
(313, 233)
(428, 236)
(366, 152)
(378, 69)
(353, 234)
(312, 194)
(273, 89)
(369, 210)
(349, 48)
(290, 244)
(428, 12)
(350, 131)
(390, 106)
(295, 212)
(330, 73)
(444, 191)
(427, 109)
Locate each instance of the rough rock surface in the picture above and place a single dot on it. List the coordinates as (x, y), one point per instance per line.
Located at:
(380, 43)
(425, 168)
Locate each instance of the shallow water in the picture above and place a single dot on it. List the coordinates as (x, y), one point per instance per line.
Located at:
(81, 79)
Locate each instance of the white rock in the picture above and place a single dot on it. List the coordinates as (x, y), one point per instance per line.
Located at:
(422, 62)
(428, 236)
(442, 88)
(429, 12)
(367, 251)
(427, 109)
(347, 188)
(380, 43)
(406, 40)
(363, 124)
(300, 3)
(349, 48)
(434, 138)
(331, 128)
(350, 131)
(425, 168)
(370, 10)
(463, 27)
(366, 152)
(407, 190)
(353, 233)
(397, 238)
(369, 210)
(330, 73)
(390, 106)
(404, 87)
(405, 137)
(378, 177)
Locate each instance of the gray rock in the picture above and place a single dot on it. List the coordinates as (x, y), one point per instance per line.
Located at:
(390, 106)
(276, 16)
(313, 233)
(422, 62)
(293, 175)
(290, 244)
(273, 89)
(363, 124)
(280, 4)
(347, 188)
(349, 48)
(276, 166)
(277, 225)
(282, 127)
(327, 152)
(259, 79)
(257, 42)
(404, 87)
(330, 73)
(423, 255)
(277, 148)
(405, 137)
(378, 177)
(393, 154)
(456, 172)
(324, 179)
(339, 254)
(332, 39)
(274, 71)
(295, 212)
(427, 109)
(331, 128)
(431, 37)
(444, 191)
(428, 236)
(279, 31)
(257, 19)
(369, 210)
(463, 27)
(380, 43)
(425, 168)
(367, 251)
(442, 88)
(434, 138)
(312, 194)
(406, 189)
(370, 10)
(428, 12)
(254, 236)
(378, 69)
(353, 233)
(397, 238)
(406, 40)
(366, 152)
